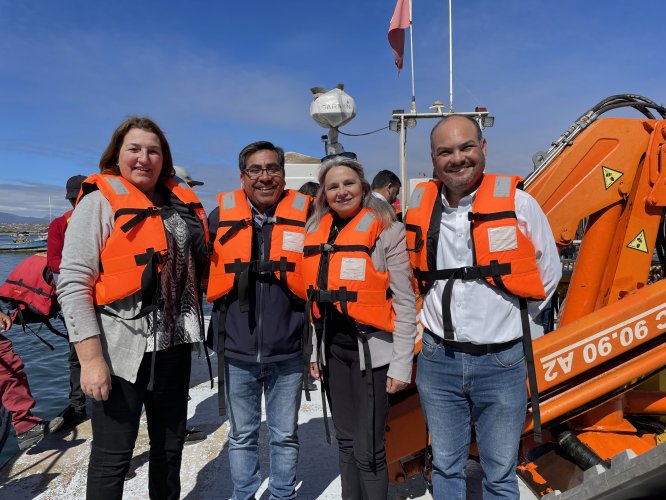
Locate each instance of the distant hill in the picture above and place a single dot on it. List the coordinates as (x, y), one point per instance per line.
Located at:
(6, 218)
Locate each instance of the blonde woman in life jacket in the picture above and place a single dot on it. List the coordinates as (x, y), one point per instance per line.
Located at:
(132, 262)
(361, 301)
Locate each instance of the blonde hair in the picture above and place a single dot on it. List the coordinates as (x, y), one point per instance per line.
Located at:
(384, 212)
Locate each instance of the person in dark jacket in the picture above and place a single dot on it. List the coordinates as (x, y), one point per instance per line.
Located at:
(258, 318)
(75, 413)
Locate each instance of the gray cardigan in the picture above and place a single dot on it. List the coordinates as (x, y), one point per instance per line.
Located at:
(396, 348)
(123, 340)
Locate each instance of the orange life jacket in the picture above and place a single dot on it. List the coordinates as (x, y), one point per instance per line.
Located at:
(231, 261)
(352, 284)
(135, 251)
(30, 286)
(503, 255)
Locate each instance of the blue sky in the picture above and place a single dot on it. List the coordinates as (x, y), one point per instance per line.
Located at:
(217, 75)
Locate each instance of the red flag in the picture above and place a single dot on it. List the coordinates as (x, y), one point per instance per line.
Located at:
(396, 35)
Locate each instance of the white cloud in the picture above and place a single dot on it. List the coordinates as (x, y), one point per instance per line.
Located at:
(33, 199)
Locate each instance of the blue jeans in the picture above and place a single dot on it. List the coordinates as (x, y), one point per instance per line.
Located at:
(282, 383)
(488, 390)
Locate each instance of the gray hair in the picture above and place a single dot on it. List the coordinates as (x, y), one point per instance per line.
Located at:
(383, 211)
(255, 147)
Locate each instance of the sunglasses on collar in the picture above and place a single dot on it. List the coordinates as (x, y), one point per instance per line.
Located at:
(344, 154)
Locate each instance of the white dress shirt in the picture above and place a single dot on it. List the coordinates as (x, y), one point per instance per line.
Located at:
(379, 196)
(481, 313)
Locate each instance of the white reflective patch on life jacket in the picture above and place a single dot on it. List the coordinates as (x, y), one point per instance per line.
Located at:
(502, 187)
(364, 224)
(117, 185)
(352, 269)
(299, 202)
(415, 198)
(501, 239)
(292, 241)
(228, 201)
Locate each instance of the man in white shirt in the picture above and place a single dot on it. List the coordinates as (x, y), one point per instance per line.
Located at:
(471, 370)
(386, 186)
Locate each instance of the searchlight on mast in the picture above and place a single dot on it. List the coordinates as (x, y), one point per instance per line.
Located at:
(332, 109)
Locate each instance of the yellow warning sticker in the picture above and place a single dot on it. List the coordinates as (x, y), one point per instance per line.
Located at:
(610, 176)
(638, 243)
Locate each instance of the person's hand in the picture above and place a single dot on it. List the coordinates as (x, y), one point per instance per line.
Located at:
(394, 385)
(314, 371)
(5, 322)
(96, 379)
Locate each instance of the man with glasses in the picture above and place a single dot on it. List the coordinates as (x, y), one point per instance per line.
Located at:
(258, 316)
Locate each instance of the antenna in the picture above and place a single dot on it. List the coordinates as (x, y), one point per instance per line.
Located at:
(450, 58)
(411, 50)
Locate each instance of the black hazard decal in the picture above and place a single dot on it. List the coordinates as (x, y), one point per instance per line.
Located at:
(611, 176)
(638, 243)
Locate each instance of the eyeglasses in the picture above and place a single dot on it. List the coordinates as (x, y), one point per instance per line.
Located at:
(256, 172)
(344, 154)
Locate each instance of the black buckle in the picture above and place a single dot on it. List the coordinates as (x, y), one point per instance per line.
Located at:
(468, 273)
(263, 267)
(328, 296)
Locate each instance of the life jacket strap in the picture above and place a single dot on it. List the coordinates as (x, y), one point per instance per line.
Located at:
(319, 325)
(143, 258)
(234, 227)
(260, 266)
(370, 386)
(140, 214)
(531, 369)
(243, 270)
(418, 239)
(194, 205)
(478, 217)
(215, 340)
(341, 295)
(38, 291)
(309, 250)
(467, 273)
(284, 221)
(150, 283)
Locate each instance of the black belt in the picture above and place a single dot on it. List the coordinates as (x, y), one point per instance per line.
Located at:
(469, 348)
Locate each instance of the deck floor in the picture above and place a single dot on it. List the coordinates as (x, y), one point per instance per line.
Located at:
(56, 467)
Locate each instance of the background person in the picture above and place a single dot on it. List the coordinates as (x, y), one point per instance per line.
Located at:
(310, 188)
(191, 435)
(15, 394)
(368, 334)
(257, 320)
(386, 186)
(75, 413)
(471, 368)
(183, 173)
(134, 255)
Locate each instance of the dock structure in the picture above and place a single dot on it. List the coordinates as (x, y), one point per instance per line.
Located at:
(56, 467)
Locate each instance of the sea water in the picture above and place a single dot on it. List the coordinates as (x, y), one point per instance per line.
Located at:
(47, 370)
